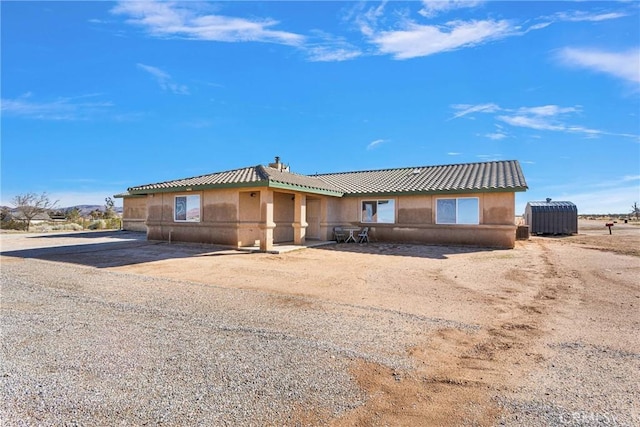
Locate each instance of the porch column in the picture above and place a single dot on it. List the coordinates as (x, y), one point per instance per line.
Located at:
(300, 220)
(266, 220)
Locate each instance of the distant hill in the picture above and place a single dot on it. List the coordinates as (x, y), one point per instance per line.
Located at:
(85, 210)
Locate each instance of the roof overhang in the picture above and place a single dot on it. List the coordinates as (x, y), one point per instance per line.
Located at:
(264, 183)
(437, 192)
(293, 187)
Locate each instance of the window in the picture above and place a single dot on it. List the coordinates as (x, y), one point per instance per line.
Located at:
(380, 211)
(187, 208)
(463, 210)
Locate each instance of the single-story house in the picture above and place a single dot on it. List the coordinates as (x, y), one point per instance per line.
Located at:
(460, 204)
(39, 218)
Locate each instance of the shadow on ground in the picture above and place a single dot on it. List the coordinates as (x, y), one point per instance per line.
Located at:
(120, 248)
(114, 249)
(405, 250)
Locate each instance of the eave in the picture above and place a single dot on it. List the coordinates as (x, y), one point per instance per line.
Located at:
(436, 192)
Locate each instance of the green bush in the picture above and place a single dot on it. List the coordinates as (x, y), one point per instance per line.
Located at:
(113, 223)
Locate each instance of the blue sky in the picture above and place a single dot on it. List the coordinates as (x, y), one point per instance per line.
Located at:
(101, 96)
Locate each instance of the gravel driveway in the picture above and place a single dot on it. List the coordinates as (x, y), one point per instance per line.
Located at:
(109, 329)
(88, 346)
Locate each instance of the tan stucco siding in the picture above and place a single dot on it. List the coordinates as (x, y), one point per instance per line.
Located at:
(498, 208)
(415, 220)
(134, 213)
(249, 215)
(218, 218)
(414, 209)
(498, 236)
(283, 216)
(236, 217)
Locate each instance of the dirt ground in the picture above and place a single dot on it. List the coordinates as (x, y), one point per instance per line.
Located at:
(524, 309)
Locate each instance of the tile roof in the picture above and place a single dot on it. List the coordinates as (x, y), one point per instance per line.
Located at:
(297, 180)
(486, 176)
(236, 176)
(249, 176)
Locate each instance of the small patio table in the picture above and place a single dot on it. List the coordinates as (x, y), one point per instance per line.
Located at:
(351, 230)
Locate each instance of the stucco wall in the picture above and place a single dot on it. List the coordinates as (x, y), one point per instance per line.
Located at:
(249, 216)
(134, 213)
(283, 216)
(498, 208)
(416, 220)
(415, 210)
(218, 218)
(233, 217)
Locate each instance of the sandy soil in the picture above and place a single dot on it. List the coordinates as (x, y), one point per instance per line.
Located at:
(582, 288)
(518, 319)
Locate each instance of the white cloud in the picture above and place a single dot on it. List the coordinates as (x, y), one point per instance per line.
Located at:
(547, 110)
(582, 16)
(465, 109)
(330, 48)
(331, 54)
(416, 40)
(368, 20)
(190, 20)
(405, 38)
(623, 65)
(489, 157)
(574, 16)
(164, 80)
(545, 117)
(453, 153)
(63, 109)
(375, 143)
(496, 136)
(532, 122)
(431, 8)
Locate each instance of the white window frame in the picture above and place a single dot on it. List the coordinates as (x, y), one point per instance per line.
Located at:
(457, 215)
(187, 207)
(377, 202)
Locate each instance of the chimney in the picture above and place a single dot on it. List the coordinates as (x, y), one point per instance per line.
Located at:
(280, 166)
(548, 199)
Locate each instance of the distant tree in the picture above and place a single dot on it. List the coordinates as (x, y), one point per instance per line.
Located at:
(31, 205)
(635, 210)
(5, 214)
(96, 214)
(110, 209)
(73, 215)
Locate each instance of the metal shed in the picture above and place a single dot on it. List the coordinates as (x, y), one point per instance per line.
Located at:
(551, 217)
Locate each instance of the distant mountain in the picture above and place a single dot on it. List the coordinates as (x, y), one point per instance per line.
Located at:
(85, 210)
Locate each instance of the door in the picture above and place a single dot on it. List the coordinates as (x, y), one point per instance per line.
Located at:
(313, 219)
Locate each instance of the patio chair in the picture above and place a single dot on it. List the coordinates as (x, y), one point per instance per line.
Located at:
(338, 234)
(363, 236)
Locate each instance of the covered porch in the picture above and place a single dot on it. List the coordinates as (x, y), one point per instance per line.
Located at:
(274, 220)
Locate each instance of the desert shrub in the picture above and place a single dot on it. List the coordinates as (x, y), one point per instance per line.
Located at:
(13, 225)
(113, 223)
(71, 226)
(105, 224)
(97, 225)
